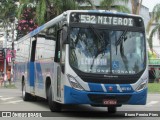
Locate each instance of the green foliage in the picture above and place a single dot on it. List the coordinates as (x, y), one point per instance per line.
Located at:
(89, 2)
(122, 8)
(152, 55)
(41, 10)
(8, 13)
(47, 9)
(23, 5)
(112, 5)
(12, 86)
(156, 12)
(8, 8)
(150, 40)
(26, 22)
(154, 88)
(155, 17)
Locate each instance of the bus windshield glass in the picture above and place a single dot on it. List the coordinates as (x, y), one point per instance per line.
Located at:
(106, 51)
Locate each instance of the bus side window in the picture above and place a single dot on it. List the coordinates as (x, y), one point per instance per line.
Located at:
(33, 50)
(57, 51)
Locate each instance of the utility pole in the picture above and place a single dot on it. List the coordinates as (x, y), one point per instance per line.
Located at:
(13, 55)
(5, 47)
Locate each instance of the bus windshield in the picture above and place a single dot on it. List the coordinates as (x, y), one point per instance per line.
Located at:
(106, 51)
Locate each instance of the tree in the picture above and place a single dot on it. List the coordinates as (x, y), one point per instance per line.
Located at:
(155, 17)
(41, 11)
(48, 9)
(112, 5)
(136, 5)
(90, 2)
(26, 22)
(26, 17)
(7, 16)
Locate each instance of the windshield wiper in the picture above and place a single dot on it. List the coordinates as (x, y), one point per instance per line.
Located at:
(101, 41)
(121, 38)
(96, 32)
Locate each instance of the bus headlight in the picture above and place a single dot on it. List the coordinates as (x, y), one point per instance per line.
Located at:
(142, 86)
(74, 83)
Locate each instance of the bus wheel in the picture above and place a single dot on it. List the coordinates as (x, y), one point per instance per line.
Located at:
(54, 106)
(26, 96)
(112, 109)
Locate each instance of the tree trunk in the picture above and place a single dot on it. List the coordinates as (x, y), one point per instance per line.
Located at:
(139, 7)
(136, 6)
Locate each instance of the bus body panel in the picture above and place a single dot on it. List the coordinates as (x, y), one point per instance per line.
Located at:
(19, 72)
(39, 79)
(45, 70)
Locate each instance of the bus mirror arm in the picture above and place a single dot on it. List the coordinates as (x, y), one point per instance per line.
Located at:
(65, 37)
(62, 68)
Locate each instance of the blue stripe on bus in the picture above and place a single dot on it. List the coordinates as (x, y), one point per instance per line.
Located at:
(112, 88)
(37, 30)
(95, 87)
(126, 88)
(38, 74)
(30, 73)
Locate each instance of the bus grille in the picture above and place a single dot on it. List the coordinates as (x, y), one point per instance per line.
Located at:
(102, 80)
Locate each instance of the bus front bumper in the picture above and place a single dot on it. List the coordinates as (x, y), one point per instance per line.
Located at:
(73, 96)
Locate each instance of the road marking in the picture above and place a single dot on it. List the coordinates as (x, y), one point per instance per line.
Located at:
(152, 103)
(8, 98)
(13, 102)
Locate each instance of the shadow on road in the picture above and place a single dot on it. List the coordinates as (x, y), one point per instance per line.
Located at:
(90, 114)
(81, 111)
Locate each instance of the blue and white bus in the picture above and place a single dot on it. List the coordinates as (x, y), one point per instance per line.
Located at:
(91, 57)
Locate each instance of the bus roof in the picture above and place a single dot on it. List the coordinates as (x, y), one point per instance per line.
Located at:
(103, 12)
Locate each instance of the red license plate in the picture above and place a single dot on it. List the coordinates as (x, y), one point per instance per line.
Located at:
(110, 102)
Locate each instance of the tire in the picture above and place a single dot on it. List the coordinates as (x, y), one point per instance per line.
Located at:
(26, 96)
(54, 106)
(112, 109)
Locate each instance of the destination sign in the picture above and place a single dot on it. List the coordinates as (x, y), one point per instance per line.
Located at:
(106, 19)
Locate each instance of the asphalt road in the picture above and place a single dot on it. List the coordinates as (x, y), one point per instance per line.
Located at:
(11, 101)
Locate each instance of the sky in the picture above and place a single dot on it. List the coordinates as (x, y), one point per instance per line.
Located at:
(150, 4)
